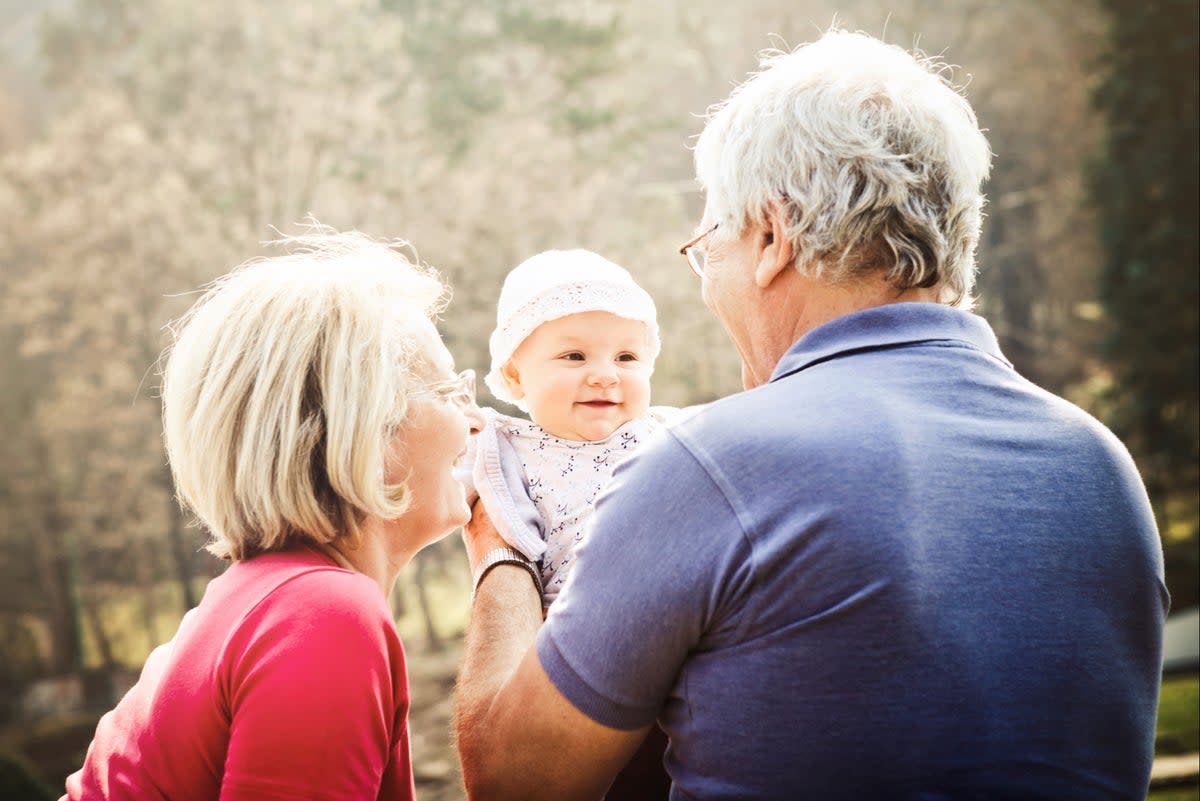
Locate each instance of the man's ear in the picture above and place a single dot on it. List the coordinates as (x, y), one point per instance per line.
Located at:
(775, 254)
(512, 379)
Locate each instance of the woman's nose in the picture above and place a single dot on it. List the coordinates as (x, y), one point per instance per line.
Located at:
(474, 417)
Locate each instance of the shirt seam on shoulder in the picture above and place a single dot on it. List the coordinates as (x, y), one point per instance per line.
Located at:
(715, 474)
(725, 487)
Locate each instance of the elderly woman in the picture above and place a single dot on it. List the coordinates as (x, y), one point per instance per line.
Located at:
(313, 418)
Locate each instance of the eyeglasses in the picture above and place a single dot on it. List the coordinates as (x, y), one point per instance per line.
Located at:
(460, 389)
(696, 255)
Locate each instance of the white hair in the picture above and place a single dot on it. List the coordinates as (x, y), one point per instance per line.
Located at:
(283, 387)
(876, 158)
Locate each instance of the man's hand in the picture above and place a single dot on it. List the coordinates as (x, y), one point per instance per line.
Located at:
(518, 737)
(480, 535)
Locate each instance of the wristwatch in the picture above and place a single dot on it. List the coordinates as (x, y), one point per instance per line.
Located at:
(505, 556)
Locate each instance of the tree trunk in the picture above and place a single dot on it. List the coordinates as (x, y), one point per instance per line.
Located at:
(431, 636)
(148, 579)
(176, 535)
(399, 600)
(58, 571)
(100, 634)
(69, 626)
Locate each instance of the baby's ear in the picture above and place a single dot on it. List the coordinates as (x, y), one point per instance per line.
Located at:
(512, 379)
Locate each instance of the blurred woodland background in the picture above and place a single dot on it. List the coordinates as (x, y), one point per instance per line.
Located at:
(147, 146)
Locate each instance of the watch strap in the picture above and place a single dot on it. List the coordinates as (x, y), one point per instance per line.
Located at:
(505, 556)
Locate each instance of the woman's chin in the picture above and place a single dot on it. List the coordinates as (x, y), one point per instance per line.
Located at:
(461, 517)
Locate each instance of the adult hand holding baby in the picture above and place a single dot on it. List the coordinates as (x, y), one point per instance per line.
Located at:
(486, 549)
(480, 535)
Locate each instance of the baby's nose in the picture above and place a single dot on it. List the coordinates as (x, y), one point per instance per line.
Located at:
(603, 377)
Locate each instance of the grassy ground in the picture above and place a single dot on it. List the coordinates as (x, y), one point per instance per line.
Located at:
(1178, 728)
(1179, 715)
(1175, 795)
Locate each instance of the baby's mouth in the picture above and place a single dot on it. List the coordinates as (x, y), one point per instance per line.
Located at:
(599, 404)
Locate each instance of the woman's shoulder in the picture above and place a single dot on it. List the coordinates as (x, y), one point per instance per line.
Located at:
(303, 584)
(335, 588)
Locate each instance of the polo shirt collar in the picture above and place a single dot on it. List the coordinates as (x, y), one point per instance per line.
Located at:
(894, 325)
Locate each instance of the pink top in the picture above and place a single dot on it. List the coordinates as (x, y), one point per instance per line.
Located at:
(287, 681)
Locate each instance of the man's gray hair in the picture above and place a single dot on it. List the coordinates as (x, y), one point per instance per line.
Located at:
(876, 157)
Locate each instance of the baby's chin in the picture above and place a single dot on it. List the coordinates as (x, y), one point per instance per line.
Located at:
(599, 434)
(588, 432)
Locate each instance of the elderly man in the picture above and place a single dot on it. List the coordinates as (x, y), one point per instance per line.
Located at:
(892, 567)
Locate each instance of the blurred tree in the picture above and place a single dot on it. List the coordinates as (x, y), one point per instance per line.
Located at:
(1146, 190)
(176, 134)
(181, 133)
(91, 338)
(18, 780)
(34, 578)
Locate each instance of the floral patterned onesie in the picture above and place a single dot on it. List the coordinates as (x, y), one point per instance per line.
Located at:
(540, 489)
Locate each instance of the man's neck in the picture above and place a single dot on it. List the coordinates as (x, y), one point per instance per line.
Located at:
(799, 303)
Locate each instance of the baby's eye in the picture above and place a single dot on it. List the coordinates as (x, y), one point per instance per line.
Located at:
(573, 356)
(627, 357)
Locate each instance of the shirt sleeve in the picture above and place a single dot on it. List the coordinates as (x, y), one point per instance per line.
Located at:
(315, 687)
(665, 562)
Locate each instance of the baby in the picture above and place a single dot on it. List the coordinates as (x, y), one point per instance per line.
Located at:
(574, 346)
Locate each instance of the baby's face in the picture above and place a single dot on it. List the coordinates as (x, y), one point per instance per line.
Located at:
(583, 376)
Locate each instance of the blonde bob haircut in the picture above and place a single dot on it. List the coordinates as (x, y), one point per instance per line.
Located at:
(874, 156)
(284, 384)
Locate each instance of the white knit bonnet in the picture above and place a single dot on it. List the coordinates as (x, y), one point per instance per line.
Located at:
(554, 284)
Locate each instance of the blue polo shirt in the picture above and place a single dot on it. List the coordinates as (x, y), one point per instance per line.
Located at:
(897, 570)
